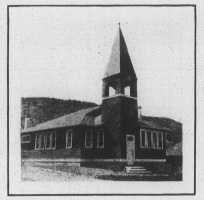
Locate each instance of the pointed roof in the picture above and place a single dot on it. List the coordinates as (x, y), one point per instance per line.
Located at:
(119, 62)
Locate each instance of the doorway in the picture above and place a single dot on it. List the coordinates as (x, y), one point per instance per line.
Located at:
(130, 145)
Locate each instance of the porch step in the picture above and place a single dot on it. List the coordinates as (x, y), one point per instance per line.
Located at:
(136, 170)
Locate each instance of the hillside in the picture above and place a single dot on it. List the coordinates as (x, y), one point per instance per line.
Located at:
(44, 109)
(171, 124)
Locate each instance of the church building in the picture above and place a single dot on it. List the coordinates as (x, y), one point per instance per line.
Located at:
(115, 131)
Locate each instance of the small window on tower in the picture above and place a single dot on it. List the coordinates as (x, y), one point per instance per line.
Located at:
(127, 91)
(111, 91)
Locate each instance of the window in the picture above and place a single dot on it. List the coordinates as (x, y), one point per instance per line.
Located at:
(127, 91)
(111, 91)
(69, 135)
(129, 138)
(160, 141)
(51, 140)
(45, 141)
(100, 139)
(26, 139)
(40, 141)
(151, 139)
(89, 139)
(154, 140)
(142, 138)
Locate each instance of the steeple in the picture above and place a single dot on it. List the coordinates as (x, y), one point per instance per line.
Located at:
(119, 73)
(119, 62)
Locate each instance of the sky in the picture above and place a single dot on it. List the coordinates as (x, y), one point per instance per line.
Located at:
(62, 52)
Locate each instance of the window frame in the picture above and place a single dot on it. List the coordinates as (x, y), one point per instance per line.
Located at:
(141, 146)
(156, 144)
(46, 134)
(147, 140)
(86, 132)
(162, 145)
(26, 136)
(38, 142)
(98, 137)
(67, 132)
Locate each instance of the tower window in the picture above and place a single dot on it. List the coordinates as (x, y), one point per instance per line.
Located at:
(127, 91)
(111, 91)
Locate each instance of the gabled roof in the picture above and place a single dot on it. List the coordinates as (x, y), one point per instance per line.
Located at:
(162, 123)
(119, 62)
(149, 124)
(73, 119)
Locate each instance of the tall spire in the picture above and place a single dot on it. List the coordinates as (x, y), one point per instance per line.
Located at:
(119, 62)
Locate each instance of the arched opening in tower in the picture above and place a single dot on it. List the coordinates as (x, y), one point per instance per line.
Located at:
(127, 91)
(111, 91)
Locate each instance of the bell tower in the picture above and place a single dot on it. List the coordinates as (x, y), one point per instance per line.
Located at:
(119, 93)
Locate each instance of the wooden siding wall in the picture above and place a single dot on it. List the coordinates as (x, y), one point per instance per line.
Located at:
(114, 144)
(142, 153)
(52, 153)
(78, 149)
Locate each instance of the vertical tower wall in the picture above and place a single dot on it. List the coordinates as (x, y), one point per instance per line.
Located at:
(119, 112)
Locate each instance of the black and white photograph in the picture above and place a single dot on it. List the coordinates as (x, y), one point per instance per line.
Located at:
(101, 96)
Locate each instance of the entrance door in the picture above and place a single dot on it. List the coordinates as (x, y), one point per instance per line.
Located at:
(130, 142)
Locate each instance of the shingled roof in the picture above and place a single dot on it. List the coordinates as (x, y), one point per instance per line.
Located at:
(149, 124)
(162, 123)
(73, 119)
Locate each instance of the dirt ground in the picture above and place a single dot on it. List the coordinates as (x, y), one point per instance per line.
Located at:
(55, 172)
(60, 172)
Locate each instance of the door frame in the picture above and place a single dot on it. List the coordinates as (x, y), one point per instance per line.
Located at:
(134, 145)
